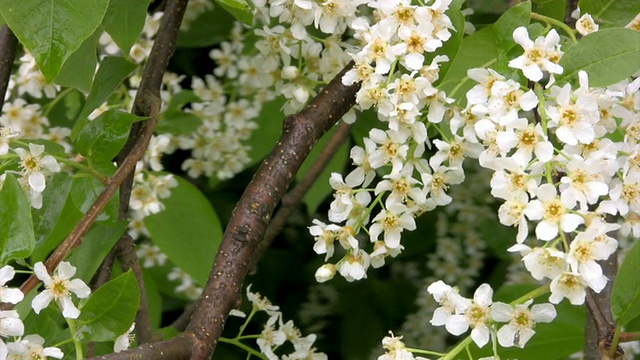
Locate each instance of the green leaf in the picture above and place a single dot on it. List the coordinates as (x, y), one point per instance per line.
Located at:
(210, 28)
(79, 69)
(53, 29)
(57, 223)
(611, 13)
(16, 229)
(110, 74)
(477, 50)
(124, 21)
(555, 9)
(515, 17)
(265, 137)
(321, 188)
(187, 230)
(95, 246)
(111, 310)
(239, 9)
(175, 121)
(101, 139)
(54, 198)
(625, 299)
(608, 56)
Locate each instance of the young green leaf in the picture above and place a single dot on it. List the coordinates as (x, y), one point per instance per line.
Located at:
(110, 74)
(239, 9)
(101, 139)
(608, 56)
(52, 29)
(477, 50)
(625, 299)
(555, 9)
(79, 69)
(95, 246)
(187, 230)
(124, 21)
(110, 311)
(16, 229)
(515, 17)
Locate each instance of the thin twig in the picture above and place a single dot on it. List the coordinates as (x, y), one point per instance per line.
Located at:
(126, 252)
(8, 44)
(292, 199)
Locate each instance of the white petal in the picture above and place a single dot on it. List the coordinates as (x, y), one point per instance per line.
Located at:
(480, 335)
(13, 296)
(483, 295)
(41, 273)
(543, 313)
(501, 312)
(457, 324)
(79, 288)
(69, 309)
(41, 301)
(36, 181)
(66, 270)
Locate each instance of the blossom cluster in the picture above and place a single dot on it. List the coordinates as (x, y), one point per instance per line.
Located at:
(276, 332)
(482, 315)
(397, 81)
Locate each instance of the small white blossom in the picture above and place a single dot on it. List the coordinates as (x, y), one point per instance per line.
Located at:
(58, 288)
(7, 294)
(521, 321)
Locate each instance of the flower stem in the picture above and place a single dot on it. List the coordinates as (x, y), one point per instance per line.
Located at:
(557, 23)
(76, 338)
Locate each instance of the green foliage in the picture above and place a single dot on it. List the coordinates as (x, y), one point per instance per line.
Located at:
(101, 139)
(79, 69)
(124, 21)
(16, 229)
(555, 9)
(239, 9)
(269, 129)
(187, 230)
(95, 246)
(111, 309)
(513, 18)
(175, 121)
(112, 71)
(208, 29)
(610, 13)
(625, 299)
(53, 29)
(608, 56)
(476, 50)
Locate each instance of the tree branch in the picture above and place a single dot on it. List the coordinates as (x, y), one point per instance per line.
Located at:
(291, 200)
(253, 212)
(8, 44)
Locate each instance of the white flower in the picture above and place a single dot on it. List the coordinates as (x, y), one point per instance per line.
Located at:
(571, 286)
(585, 25)
(151, 255)
(31, 347)
(10, 323)
(32, 163)
(58, 288)
(123, 341)
(537, 55)
(270, 338)
(476, 315)
(590, 246)
(354, 265)
(392, 222)
(553, 213)
(520, 320)
(261, 303)
(395, 349)
(9, 295)
(325, 272)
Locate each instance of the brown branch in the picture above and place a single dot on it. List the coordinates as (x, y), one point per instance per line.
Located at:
(183, 320)
(126, 253)
(253, 212)
(8, 44)
(600, 325)
(291, 200)
(178, 347)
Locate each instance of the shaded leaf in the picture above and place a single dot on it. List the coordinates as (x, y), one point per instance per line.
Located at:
(608, 56)
(79, 69)
(16, 228)
(111, 310)
(124, 21)
(187, 230)
(513, 18)
(625, 299)
(239, 9)
(53, 29)
(610, 13)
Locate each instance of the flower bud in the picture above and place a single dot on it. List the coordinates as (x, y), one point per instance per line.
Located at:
(325, 272)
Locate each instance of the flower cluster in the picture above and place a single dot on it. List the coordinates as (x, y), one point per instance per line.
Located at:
(32, 346)
(481, 314)
(396, 80)
(276, 332)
